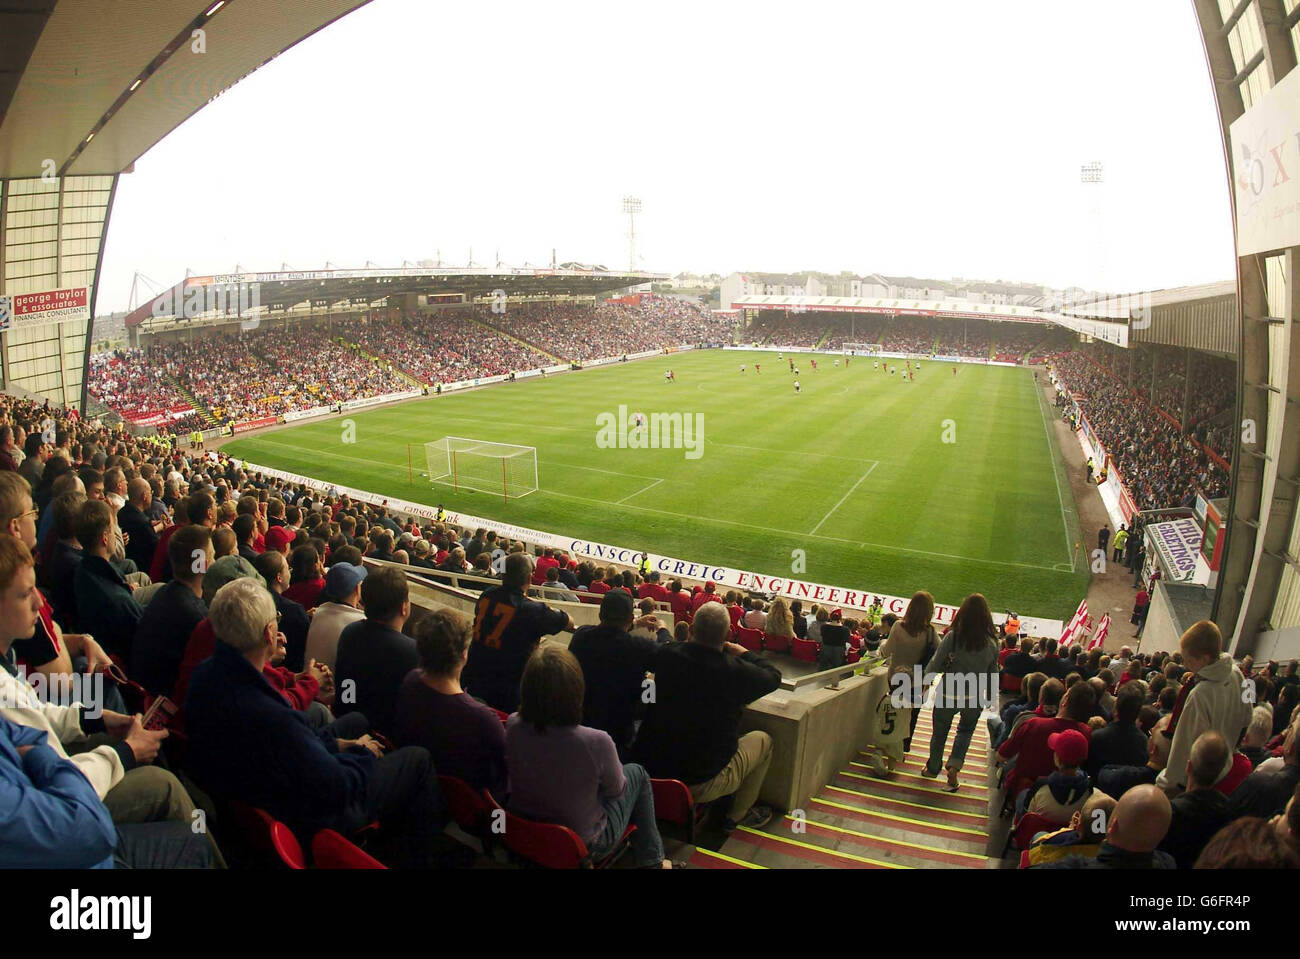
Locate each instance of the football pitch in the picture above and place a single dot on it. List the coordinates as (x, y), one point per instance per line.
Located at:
(951, 483)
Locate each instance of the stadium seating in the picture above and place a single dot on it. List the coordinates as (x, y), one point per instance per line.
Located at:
(329, 850)
(553, 846)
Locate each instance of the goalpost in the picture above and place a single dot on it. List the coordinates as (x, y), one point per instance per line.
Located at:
(863, 349)
(469, 464)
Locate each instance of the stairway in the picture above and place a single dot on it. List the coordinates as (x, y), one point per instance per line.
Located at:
(860, 821)
(193, 400)
(411, 379)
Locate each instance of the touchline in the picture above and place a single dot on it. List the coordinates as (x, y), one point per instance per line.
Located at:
(114, 913)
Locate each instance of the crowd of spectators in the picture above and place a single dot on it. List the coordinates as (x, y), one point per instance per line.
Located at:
(256, 606)
(1160, 466)
(1152, 760)
(241, 376)
(126, 382)
(444, 347)
(576, 332)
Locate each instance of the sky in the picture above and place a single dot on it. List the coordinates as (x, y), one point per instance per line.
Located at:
(941, 139)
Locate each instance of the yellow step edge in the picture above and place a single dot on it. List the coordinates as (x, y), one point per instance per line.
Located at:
(903, 819)
(900, 772)
(822, 849)
(730, 859)
(886, 839)
(914, 805)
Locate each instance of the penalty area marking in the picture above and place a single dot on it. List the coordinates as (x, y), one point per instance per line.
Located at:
(843, 498)
(888, 547)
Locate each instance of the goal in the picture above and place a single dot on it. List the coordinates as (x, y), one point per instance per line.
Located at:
(862, 349)
(469, 464)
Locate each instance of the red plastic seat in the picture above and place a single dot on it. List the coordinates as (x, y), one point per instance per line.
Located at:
(776, 644)
(675, 804)
(468, 806)
(329, 850)
(805, 650)
(553, 846)
(268, 836)
(1030, 825)
(751, 639)
(500, 715)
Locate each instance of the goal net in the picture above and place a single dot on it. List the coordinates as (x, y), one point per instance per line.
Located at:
(862, 349)
(469, 464)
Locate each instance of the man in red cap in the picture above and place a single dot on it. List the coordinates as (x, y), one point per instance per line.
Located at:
(279, 539)
(1057, 797)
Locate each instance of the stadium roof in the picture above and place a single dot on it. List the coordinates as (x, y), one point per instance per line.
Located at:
(850, 304)
(283, 290)
(93, 84)
(1121, 307)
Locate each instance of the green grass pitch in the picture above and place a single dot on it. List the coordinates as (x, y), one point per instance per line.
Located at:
(948, 483)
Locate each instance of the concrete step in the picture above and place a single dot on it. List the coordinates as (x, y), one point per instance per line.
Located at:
(838, 808)
(777, 851)
(924, 792)
(904, 849)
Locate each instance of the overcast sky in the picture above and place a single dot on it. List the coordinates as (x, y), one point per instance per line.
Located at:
(939, 139)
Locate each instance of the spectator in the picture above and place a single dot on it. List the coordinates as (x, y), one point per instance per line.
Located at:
(227, 566)
(1248, 843)
(1028, 742)
(294, 621)
(117, 769)
(1210, 700)
(173, 614)
(1059, 795)
(1121, 742)
(374, 656)
(247, 743)
(968, 684)
(614, 665)
(1200, 811)
(464, 737)
(133, 519)
(100, 587)
(562, 771)
(1116, 780)
(507, 628)
(691, 730)
(1265, 792)
(911, 642)
(306, 576)
(342, 599)
(1137, 827)
(1083, 837)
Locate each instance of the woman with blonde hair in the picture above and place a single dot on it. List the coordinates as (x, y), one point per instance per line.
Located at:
(779, 620)
(910, 643)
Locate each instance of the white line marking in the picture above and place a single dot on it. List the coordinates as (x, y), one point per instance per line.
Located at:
(638, 492)
(1051, 459)
(843, 498)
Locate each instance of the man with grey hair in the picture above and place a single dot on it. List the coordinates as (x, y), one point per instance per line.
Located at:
(507, 628)
(692, 728)
(1201, 810)
(248, 744)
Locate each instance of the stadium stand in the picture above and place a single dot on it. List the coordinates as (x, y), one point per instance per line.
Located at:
(1161, 465)
(879, 810)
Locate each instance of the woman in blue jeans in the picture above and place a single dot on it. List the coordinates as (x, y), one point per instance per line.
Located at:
(967, 661)
(564, 772)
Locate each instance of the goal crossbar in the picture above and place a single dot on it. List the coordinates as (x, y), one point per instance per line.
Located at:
(467, 463)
